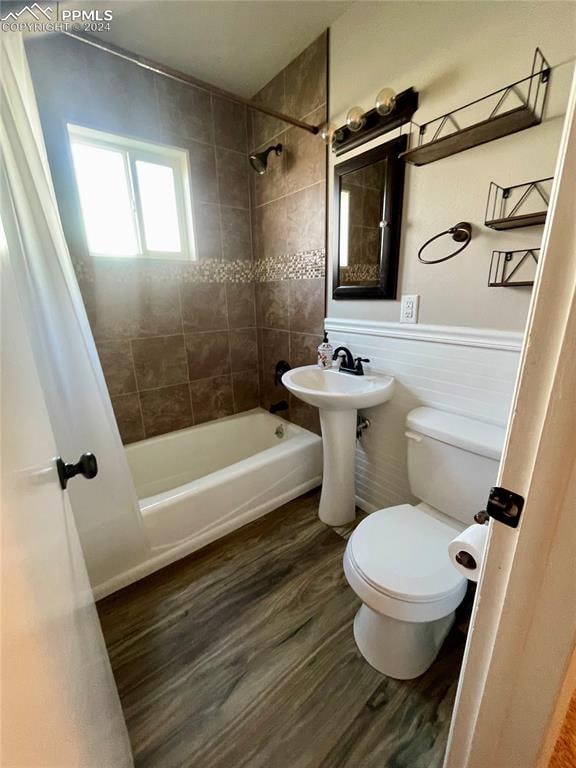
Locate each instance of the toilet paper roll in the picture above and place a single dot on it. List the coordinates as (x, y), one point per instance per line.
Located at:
(467, 550)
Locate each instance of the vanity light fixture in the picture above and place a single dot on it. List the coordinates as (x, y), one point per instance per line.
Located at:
(391, 110)
(384, 104)
(327, 131)
(355, 119)
(385, 101)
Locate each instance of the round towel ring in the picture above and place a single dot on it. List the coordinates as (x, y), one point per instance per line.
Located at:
(461, 233)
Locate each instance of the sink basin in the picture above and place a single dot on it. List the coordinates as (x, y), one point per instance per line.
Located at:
(338, 396)
(334, 391)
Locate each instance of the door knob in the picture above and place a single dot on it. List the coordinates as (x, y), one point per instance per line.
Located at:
(87, 466)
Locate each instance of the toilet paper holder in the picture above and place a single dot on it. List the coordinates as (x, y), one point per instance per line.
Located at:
(507, 504)
(503, 506)
(465, 559)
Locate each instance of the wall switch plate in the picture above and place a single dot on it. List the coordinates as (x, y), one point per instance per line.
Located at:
(409, 308)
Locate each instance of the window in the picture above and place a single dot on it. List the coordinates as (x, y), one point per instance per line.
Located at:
(134, 196)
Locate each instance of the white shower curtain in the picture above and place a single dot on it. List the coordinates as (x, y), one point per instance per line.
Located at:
(106, 509)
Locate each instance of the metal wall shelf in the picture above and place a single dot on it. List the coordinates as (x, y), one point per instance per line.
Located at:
(483, 120)
(509, 207)
(511, 269)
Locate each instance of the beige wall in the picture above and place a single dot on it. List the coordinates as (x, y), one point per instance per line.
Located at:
(453, 52)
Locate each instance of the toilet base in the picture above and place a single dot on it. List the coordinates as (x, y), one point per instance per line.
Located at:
(399, 649)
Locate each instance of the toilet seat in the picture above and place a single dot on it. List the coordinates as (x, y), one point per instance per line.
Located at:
(397, 562)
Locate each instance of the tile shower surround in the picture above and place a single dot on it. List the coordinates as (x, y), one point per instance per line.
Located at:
(188, 356)
(288, 220)
(177, 340)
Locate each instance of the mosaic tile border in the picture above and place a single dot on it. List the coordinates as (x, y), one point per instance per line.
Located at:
(357, 273)
(216, 271)
(303, 265)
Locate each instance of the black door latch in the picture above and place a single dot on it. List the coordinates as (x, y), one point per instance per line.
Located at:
(505, 506)
(87, 466)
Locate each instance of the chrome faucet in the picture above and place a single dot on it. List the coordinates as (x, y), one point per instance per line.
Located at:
(349, 364)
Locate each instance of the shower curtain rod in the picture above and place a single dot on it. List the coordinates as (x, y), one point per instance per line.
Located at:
(182, 77)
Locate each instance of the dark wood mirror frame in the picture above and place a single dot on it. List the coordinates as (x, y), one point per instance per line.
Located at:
(389, 256)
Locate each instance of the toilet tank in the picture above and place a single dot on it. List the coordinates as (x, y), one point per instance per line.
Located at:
(452, 461)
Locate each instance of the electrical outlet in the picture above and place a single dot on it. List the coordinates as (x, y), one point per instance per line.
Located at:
(409, 309)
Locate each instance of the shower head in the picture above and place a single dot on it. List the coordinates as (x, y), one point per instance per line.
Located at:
(259, 161)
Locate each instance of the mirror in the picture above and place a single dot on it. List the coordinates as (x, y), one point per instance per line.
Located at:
(368, 191)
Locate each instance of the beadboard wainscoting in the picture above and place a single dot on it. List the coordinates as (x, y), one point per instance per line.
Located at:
(468, 371)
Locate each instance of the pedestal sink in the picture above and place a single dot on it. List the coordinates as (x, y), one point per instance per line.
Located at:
(338, 396)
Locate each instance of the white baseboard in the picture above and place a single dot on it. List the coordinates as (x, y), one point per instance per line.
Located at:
(365, 506)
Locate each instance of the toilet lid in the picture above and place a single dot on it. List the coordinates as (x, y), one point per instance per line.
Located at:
(403, 552)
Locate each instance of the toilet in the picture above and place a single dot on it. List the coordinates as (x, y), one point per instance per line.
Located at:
(397, 558)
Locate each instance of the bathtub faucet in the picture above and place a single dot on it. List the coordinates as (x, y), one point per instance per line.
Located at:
(280, 369)
(281, 406)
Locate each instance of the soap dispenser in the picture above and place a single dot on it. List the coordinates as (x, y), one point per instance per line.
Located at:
(325, 352)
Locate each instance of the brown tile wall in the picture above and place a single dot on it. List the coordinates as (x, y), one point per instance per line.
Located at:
(288, 217)
(175, 351)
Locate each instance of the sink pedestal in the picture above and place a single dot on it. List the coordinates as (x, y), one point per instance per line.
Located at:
(338, 498)
(338, 396)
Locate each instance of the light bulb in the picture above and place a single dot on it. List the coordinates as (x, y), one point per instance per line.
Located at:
(355, 118)
(327, 132)
(385, 101)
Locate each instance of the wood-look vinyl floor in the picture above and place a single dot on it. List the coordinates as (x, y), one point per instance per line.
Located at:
(242, 655)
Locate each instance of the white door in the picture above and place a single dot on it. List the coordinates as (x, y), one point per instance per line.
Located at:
(519, 666)
(59, 704)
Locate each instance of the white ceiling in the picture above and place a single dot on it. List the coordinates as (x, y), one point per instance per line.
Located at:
(238, 45)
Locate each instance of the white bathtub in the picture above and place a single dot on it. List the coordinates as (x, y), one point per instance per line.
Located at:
(198, 484)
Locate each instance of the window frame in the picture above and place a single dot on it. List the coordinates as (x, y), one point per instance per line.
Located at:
(133, 150)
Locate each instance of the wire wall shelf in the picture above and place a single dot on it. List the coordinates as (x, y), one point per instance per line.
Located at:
(513, 269)
(522, 205)
(510, 109)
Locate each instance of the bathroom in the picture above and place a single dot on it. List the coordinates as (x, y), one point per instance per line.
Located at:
(268, 543)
